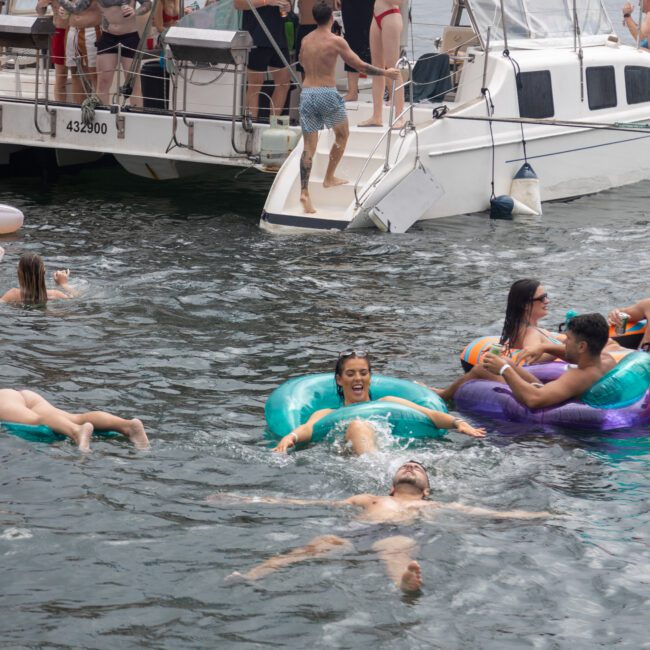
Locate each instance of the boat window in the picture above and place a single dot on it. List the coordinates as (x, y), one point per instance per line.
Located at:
(535, 94)
(637, 84)
(601, 87)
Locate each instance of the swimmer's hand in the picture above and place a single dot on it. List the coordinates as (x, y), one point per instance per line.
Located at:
(393, 73)
(492, 363)
(467, 429)
(286, 443)
(531, 354)
(614, 317)
(62, 276)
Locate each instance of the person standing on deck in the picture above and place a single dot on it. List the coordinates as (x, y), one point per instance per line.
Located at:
(320, 103)
(633, 28)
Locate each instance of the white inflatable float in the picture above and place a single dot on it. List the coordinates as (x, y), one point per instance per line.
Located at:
(10, 219)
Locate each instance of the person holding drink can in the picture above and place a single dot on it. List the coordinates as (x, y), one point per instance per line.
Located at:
(620, 316)
(527, 304)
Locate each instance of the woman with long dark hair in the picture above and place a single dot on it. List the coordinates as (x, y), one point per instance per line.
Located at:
(31, 281)
(527, 304)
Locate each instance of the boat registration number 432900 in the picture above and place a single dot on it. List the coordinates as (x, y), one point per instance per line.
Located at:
(96, 128)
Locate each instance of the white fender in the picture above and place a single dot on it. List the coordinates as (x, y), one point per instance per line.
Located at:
(10, 219)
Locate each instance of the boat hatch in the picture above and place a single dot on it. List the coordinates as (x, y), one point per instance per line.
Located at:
(25, 31)
(209, 45)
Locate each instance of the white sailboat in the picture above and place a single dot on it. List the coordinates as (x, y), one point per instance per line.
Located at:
(544, 83)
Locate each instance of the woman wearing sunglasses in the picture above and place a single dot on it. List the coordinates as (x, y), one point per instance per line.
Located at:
(353, 376)
(527, 304)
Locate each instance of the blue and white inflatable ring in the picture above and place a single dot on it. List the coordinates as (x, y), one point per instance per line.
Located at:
(293, 402)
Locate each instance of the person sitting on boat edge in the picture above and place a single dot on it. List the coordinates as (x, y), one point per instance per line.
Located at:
(31, 280)
(633, 28)
(320, 103)
(638, 311)
(586, 337)
(389, 528)
(353, 377)
(27, 407)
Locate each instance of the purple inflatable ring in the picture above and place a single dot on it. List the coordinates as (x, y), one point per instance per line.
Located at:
(495, 400)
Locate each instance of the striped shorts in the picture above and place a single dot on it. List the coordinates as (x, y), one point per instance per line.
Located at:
(81, 43)
(321, 107)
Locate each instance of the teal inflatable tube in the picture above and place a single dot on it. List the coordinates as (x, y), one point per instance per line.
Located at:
(625, 384)
(293, 402)
(41, 433)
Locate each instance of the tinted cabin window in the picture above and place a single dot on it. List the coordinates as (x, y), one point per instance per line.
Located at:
(637, 84)
(535, 94)
(601, 87)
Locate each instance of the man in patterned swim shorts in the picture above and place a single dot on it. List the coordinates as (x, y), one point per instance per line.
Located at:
(320, 104)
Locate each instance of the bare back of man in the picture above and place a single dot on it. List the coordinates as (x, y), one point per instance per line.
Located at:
(320, 104)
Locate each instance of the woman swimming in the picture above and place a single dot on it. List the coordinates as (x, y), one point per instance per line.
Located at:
(353, 377)
(31, 280)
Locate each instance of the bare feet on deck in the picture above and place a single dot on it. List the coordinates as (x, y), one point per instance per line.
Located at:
(334, 181)
(398, 125)
(412, 578)
(370, 122)
(135, 432)
(350, 98)
(83, 436)
(306, 204)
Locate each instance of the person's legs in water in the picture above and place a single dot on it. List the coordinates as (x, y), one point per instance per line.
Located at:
(362, 436)
(322, 546)
(397, 555)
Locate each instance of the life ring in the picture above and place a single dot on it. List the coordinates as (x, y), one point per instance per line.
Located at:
(475, 349)
(41, 433)
(10, 219)
(621, 398)
(293, 402)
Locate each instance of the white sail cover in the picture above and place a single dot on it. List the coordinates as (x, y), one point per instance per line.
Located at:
(541, 23)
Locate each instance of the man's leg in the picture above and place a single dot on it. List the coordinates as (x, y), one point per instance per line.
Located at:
(341, 134)
(136, 93)
(255, 82)
(363, 437)
(106, 65)
(282, 81)
(310, 142)
(60, 83)
(397, 555)
(322, 546)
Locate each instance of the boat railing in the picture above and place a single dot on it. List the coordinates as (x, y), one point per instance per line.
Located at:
(402, 63)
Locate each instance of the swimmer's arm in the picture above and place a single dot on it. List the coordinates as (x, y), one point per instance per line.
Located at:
(302, 433)
(441, 420)
(637, 311)
(571, 383)
(494, 514)
(61, 278)
(535, 353)
(231, 497)
(13, 295)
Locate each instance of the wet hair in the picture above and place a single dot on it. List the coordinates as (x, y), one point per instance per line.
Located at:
(322, 13)
(340, 363)
(592, 329)
(520, 297)
(31, 278)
